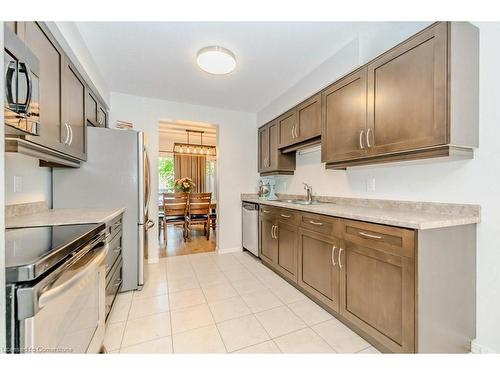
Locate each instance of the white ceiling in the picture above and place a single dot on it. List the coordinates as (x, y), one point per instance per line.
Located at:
(158, 59)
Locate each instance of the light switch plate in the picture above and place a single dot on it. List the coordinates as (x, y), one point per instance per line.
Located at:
(18, 184)
(370, 184)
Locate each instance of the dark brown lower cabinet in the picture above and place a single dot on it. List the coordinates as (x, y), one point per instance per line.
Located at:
(286, 256)
(319, 272)
(268, 244)
(377, 295)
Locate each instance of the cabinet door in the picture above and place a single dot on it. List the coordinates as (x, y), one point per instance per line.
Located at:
(286, 261)
(309, 119)
(287, 128)
(344, 119)
(318, 270)
(378, 295)
(407, 90)
(264, 161)
(91, 109)
(102, 117)
(51, 59)
(268, 242)
(74, 112)
(274, 153)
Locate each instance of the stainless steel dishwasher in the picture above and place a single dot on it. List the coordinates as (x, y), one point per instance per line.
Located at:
(250, 226)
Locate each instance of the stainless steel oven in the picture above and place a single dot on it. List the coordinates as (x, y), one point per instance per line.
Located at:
(22, 87)
(56, 289)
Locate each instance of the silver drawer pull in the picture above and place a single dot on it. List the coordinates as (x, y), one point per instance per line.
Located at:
(117, 250)
(118, 282)
(265, 211)
(315, 223)
(286, 216)
(363, 234)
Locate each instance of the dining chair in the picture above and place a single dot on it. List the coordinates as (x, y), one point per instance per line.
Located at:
(199, 212)
(174, 212)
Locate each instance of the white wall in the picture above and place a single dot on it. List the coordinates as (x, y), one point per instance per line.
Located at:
(70, 39)
(472, 181)
(36, 181)
(237, 145)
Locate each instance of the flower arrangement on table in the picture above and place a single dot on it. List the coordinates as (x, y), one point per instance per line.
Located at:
(184, 184)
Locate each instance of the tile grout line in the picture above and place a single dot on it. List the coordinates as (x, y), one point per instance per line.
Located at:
(213, 317)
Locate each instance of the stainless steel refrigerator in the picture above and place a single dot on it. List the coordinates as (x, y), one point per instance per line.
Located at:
(116, 174)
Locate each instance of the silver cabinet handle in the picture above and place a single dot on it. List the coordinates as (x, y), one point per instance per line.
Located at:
(276, 233)
(315, 223)
(339, 258)
(265, 211)
(272, 231)
(293, 131)
(118, 282)
(117, 250)
(333, 255)
(70, 135)
(286, 216)
(363, 234)
(67, 134)
(368, 137)
(361, 139)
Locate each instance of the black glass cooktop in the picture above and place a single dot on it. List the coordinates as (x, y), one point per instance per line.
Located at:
(30, 252)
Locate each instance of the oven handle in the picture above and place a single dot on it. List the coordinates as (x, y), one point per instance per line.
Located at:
(90, 266)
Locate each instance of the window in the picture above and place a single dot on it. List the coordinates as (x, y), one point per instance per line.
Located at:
(165, 174)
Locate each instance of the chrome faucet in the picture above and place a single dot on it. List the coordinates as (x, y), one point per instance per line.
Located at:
(308, 189)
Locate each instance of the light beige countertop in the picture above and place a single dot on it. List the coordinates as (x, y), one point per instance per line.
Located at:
(37, 214)
(406, 214)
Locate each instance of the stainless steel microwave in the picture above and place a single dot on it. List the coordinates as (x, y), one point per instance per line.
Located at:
(22, 87)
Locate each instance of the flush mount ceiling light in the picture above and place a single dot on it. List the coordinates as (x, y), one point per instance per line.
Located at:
(216, 60)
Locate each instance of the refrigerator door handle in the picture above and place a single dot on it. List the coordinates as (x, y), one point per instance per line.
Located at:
(149, 224)
(147, 182)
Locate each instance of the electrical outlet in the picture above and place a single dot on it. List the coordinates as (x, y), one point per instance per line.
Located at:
(18, 184)
(370, 185)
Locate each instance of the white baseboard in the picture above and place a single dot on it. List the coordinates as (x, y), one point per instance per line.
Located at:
(230, 250)
(478, 348)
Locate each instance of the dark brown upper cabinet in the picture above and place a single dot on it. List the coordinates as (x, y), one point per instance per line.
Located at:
(96, 112)
(74, 131)
(418, 100)
(421, 101)
(301, 123)
(65, 102)
(92, 107)
(38, 39)
(270, 159)
(407, 92)
(344, 118)
(287, 125)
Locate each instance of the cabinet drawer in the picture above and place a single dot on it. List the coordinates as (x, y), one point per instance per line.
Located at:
(115, 250)
(113, 285)
(282, 214)
(320, 224)
(114, 227)
(385, 238)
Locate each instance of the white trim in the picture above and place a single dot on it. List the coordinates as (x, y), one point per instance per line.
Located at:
(478, 348)
(230, 250)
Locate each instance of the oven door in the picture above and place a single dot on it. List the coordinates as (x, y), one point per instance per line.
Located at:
(70, 311)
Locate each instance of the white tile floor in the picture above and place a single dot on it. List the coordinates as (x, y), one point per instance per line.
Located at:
(231, 303)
